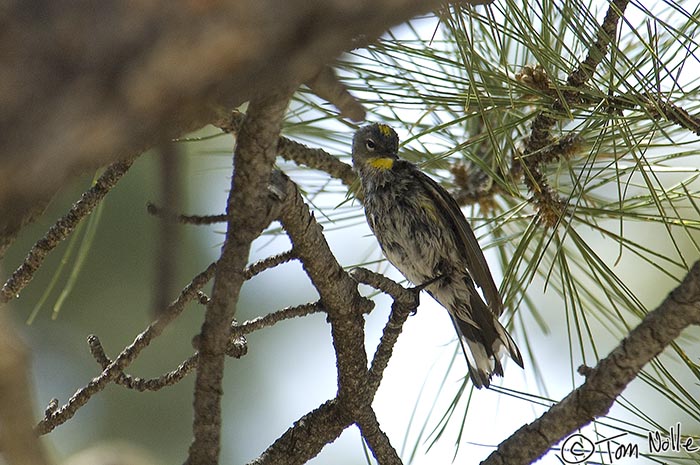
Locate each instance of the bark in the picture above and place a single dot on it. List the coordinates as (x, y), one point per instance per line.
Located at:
(87, 82)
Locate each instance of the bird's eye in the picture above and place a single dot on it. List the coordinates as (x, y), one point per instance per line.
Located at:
(371, 145)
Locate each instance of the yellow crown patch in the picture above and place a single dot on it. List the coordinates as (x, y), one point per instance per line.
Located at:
(385, 130)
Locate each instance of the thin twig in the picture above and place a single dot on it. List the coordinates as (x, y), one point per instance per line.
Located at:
(62, 229)
(59, 416)
(141, 384)
(270, 319)
(155, 210)
(290, 150)
(267, 263)
(608, 379)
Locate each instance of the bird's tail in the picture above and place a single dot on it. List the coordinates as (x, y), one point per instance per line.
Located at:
(484, 340)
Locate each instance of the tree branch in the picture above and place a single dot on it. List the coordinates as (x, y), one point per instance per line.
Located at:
(376, 439)
(307, 436)
(544, 197)
(608, 379)
(273, 318)
(155, 210)
(405, 302)
(253, 159)
(296, 152)
(338, 291)
(18, 443)
(345, 307)
(57, 416)
(151, 72)
(662, 109)
(141, 384)
(62, 229)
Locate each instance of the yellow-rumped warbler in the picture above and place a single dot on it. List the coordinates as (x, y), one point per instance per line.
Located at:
(424, 234)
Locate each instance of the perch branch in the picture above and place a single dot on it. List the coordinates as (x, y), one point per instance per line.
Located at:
(405, 302)
(338, 291)
(345, 307)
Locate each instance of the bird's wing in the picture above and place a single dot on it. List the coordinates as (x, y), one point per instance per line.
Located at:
(474, 257)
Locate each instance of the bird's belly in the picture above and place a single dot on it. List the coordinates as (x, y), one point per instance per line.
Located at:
(412, 242)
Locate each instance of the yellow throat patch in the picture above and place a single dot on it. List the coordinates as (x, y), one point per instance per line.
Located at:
(381, 163)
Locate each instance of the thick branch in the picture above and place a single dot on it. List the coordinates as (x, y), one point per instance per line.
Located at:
(345, 307)
(18, 443)
(253, 159)
(608, 379)
(150, 71)
(304, 440)
(376, 439)
(338, 291)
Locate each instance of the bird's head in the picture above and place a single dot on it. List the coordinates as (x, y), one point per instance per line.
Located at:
(375, 145)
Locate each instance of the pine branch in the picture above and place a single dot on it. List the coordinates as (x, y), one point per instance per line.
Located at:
(296, 152)
(62, 229)
(253, 159)
(140, 384)
(345, 308)
(56, 416)
(534, 155)
(171, 71)
(18, 443)
(608, 379)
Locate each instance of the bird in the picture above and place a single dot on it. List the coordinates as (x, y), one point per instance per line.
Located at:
(424, 234)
